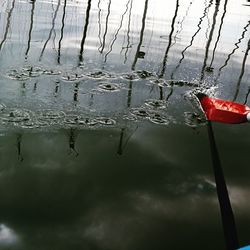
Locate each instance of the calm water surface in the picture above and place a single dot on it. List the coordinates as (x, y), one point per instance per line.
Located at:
(102, 146)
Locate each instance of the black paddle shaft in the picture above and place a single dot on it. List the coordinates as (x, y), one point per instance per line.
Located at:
(227, 215)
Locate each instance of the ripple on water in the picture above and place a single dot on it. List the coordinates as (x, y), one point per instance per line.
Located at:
(144, 74)
(50, 117)
(17, 75)
(156, 104)
(106, 121)
(32, 71)
(108, 87)
(72, 77)
(16, 116)
(130, 76)
(100, 75)
(140, 112)
(158, 119)
(52, 72)
(194, 119)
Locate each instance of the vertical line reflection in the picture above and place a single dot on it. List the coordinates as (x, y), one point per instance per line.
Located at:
(84, 32)
(242, 71)
(62, 30)
(141, 35)
(31, 27)
(193, 37)
(7, 24)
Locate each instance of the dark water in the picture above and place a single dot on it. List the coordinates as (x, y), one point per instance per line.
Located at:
(101, 144)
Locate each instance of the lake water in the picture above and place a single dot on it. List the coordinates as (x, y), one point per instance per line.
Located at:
(102, 146)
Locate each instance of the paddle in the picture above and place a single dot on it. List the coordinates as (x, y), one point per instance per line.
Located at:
(223, 110)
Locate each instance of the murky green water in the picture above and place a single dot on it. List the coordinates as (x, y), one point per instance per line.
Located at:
(101, 146)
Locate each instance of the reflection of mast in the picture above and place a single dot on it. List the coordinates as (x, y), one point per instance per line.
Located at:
(141, 35)
(169, 40)
(192, 39)
(120, 146)
(181, 24)
(101, 48)
(19, 144)
(51, 30)
(99, 22)
(76, 90)
(62, 29)
(85, 31)
(31, 27)
(210, 37)
(219, 33)
(117, 32)
(7, 24)
(242, 71)
(72, 141)
(227, 215)
(128, 37)
(236, 47)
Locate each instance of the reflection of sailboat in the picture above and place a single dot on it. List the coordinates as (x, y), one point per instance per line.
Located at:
(227, 215)
(193, 37)
(51, 30)
(31, 27)
(62, 29)
(117, 32)
(242, 71)
(137, 53)
(7, 24)
(84, 32)
(19, 145)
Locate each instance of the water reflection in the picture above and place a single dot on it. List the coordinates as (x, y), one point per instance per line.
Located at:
(95, 122)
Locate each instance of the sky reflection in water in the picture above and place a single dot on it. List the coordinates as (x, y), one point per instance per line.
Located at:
(100, 146)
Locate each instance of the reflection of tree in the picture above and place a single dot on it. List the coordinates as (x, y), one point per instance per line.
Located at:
(117, 32)
(7, 24)
(141, 35)
(31, 27)
(227, 215)
(242, 71)
(85, 31)
(51, 30)
(193, 37)
(62, 30)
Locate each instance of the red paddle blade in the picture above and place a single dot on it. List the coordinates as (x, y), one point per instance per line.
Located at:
(224, 111)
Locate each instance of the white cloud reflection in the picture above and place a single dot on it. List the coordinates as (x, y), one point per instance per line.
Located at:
(7, 235)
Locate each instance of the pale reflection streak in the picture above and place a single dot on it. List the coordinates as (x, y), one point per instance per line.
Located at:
(117, 32)
(193, 37)
(7, 24)
(141, 35)
(30, 28)
(62, 33)
(72, 140)
(51, 30)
